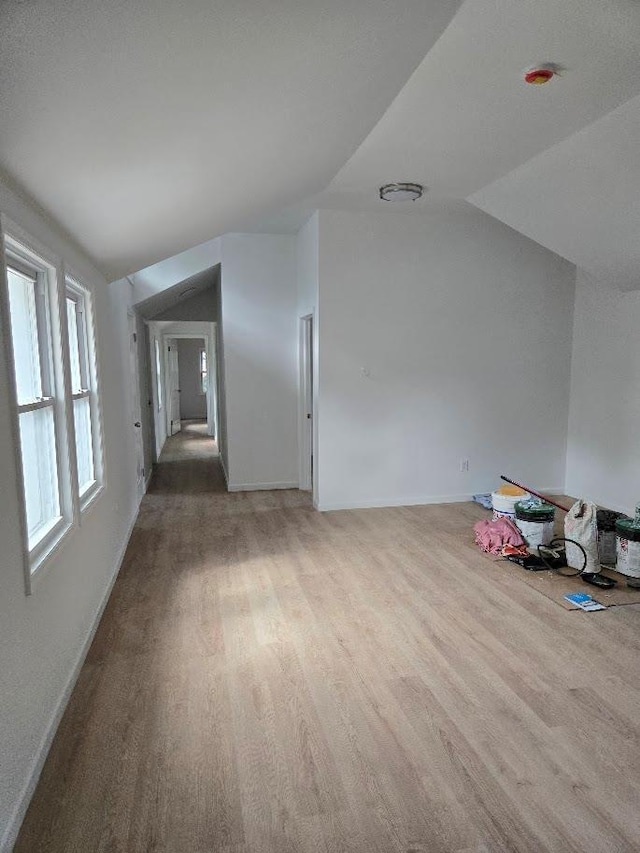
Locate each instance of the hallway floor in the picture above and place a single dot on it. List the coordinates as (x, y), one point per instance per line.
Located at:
(268, 679)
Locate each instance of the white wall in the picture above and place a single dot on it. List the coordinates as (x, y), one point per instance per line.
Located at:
(307, 249)
(200, 307)
(603, 462)
(158, 410)
(221, 387)
(260, 359)
(158, 277)
(307, 266)
(193, 403)
(464, 328)
(43, 637)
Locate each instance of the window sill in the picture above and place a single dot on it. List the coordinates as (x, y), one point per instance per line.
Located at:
(90, 498)
(39, 564)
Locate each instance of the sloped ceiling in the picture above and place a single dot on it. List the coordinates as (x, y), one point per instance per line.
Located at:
(148, 127)
(151, 127)
(581, 198)
(155, 306)
(559, 163)
(466, 117)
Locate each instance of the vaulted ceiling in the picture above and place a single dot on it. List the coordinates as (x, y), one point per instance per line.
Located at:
(151, 126)
(147, 128)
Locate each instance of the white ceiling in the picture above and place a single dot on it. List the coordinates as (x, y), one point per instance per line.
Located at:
(151, 126)
(581, 198)
(148, 128)
(159, 276)
(466, 117)
(183, 291)
(465, 123)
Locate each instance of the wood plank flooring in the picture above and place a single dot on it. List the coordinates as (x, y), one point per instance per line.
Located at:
(268, 679)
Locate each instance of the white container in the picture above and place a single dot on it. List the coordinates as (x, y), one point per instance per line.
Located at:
(504, 506)
(628, 557)
(535, 533)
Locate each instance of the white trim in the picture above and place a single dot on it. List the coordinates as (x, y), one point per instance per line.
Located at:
(15, 241)
(305, 389)
(38, 251)
(258, 487)
(42, 403)
(87, 291)
(413, 501)
(90, 499)
(41, 554)
(224, 470)
(15, 821)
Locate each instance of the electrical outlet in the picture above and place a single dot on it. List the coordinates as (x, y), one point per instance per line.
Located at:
(464, 466)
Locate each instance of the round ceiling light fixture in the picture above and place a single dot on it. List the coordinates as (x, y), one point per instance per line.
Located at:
(401, 192)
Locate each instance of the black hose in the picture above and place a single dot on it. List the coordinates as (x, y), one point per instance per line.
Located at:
(556, 541)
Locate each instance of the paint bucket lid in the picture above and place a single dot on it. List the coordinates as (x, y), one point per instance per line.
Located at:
(540, 512)
(626, 528)
(606, 519)
(512, 491)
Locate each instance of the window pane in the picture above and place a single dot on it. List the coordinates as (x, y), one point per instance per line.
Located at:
(37, 442)
(84, 443)
(74, 348)
(24, 333)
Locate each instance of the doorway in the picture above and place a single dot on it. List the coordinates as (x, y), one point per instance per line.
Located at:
(189, 386)
(306, 404)
(172, 372)
(185, 381)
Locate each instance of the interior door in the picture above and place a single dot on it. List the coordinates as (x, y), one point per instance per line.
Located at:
(173, 387)
(306, 369)
(136, 414)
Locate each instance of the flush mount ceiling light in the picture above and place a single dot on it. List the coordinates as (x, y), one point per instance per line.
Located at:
(401, 192)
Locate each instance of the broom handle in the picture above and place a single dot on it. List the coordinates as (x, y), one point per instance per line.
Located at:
(533, 492)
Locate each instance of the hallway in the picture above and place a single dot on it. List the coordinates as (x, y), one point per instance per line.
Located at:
(268, 679)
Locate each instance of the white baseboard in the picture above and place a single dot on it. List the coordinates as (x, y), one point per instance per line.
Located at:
(422, 500)
(224, 470)
(15, 822)
(259, 487)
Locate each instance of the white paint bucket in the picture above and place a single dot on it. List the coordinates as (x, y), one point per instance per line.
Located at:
(535, 522)
(628, 547)
(504, 506)
(628, 553)
(535, 533)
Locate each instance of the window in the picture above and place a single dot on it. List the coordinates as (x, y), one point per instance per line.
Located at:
(56, 409)
(84, 398)
(31, 286)
(203, 371)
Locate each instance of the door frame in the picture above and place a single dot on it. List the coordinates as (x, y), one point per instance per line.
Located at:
(307, 412)
(168, 388)
(135, 402)
(190, 329)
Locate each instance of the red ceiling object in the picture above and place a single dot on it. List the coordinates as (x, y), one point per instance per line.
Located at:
(538, 76)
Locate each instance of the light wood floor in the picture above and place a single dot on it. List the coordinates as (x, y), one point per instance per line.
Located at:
(268, 679)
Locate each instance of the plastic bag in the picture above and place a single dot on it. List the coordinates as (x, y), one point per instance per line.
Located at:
(581, 524)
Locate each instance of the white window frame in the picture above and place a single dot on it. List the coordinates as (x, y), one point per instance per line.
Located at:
(83, 297)
(22, 253)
